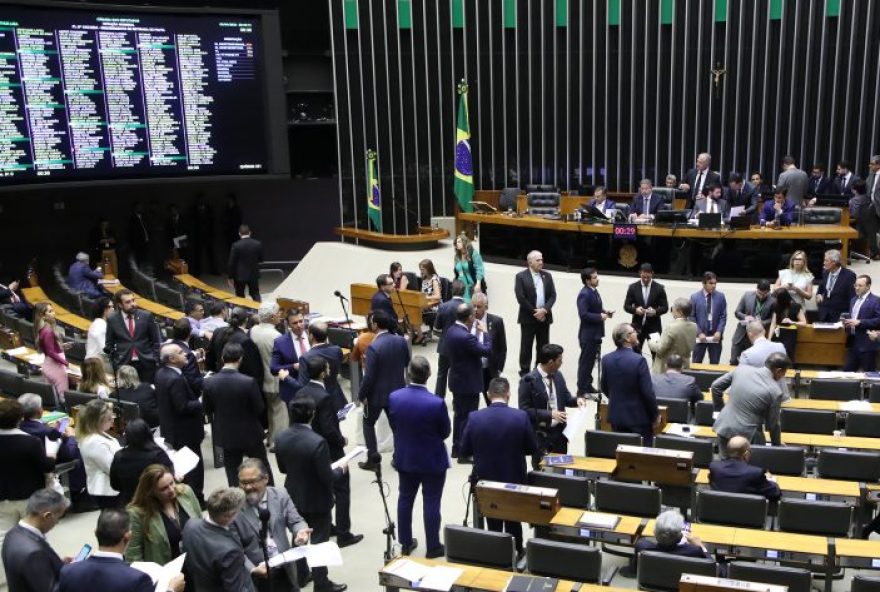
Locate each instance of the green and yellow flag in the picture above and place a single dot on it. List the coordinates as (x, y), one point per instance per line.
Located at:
(374, 197)
(464, 167)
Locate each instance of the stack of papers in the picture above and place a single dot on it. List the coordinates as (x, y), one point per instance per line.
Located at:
(356, 452)
(438, 577)
(161, 574)
(599, 520)
(320, 555)
(828, 326)
(184, 461)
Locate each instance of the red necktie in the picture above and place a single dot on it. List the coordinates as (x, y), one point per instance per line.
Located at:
(134, 351)
(302, 345)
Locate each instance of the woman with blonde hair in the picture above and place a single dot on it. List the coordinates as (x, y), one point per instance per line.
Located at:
(159, 510)
(97, 448)
(469, 267)
(51, 346)
(94, 378)
(797, 279)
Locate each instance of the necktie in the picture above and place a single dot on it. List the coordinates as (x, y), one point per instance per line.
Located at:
(647, 204)
(646, 290)
(698, 183)
(830, 285)
(302, 345)
(551, 398)
(709, 309)
(711, 206)
(134, 351)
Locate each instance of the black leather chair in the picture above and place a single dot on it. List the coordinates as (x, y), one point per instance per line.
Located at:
(732, 509)
(169, 296)
(77, 398)
(849, 465)
(144, 284)
(633, 499)
(44, 389)
(701, 447)
(808, 421)
(862, 424)
(569, 561)
(25, 330)
(863, 583)
(11, 383)
(507, 199)
(532, 188)
(413, 281)
(835, 390)
(874, 393)
(797, 579)
(703, 412)
(604, 444)
(677, 410)
(822, 215)
(658, 571)
(809, 517)
(475, 546)
(574, 491)
(543, 203)
(704, 378)
(779, 460)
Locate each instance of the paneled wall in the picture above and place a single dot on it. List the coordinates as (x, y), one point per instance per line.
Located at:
(574, 92)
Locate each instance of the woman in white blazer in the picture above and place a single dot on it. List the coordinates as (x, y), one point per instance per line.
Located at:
(98, 448)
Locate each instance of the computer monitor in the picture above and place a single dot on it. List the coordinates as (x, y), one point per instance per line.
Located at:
(672, 216)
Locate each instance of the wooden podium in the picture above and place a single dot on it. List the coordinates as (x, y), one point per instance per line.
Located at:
(659, 465)
(517, 503)
(413, 302)
(695, 583)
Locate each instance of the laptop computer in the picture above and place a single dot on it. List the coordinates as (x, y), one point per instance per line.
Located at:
(707, 220)
(743, 222)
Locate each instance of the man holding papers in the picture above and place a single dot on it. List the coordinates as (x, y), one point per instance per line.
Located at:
(105, 570)
(709, 312)
(282, 516)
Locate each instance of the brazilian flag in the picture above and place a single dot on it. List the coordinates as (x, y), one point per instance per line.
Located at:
(374, 197)
(464, 164)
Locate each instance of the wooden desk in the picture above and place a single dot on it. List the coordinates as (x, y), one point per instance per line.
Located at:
(714, 536)
(780, 546)
(65, 317)
(820, 347)
(75, 321)
(565, 524)
(24, 361)
(808, 488)
(791, 373)
(857, 553)
(584, 466)
(191, 281)
(850, 442)
(413, 302)
(243, 302)
(823, 405)
(151, 307)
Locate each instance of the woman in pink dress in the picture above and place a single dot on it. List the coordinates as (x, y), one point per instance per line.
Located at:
(55, 363)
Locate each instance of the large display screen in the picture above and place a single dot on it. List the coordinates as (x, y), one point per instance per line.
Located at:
(106, 94)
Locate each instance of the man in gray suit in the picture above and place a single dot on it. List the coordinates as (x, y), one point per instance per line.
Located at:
(678, 338)
(275, 505)
(214, 556)
(795, 181)
(753, 402)
(264, 336)
(761, 347)
(31, 564)
(753, 305)
(672, 384)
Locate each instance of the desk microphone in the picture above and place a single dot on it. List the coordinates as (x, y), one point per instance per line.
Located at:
(264, 521)
(339, 295)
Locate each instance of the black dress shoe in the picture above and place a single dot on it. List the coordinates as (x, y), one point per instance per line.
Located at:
(332, 587)
(368, 465)
(348, 539)
(465, 460)
(435, 553)
(407, 549)
(303, 582)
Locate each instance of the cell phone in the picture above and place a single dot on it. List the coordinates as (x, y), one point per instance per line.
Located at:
(83, 553)
(63, 423)
(686, 528)
(576, 587)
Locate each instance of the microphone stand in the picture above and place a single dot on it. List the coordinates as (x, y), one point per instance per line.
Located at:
(347, 321)
(389, 530)
(406, 322)
(264, 531)
(478, 519)
(114, 365)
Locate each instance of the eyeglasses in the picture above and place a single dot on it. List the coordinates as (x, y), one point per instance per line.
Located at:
(250, 482)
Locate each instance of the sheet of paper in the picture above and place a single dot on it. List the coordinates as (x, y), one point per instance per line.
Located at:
(154, 570)
(856, 405)
(408, 570)
(837, 325)
(737, 211)
(184, 460)
(343, 413)
(678, 429)
(168, 571)
(36, 359)
(17, 351)
(294, 554)
(353, 454)
(52, 446)
(654, 337)
(440, 577)
(576, 423)
(323, 554)
(709, 339)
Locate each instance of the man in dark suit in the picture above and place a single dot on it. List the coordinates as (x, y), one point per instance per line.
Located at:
(709, 312)
(251, 362)
(646, 203)
(132, 336)
(304, 457)
(386, 361)
(646, 301)
(699, 177)
(536, 295)
(82, 278)
(446, 318)
(493, 365)
(734, 474)
(738, 193)
(420, 424)
(381, 300)
(819, 183)
(181, 419)
(592, 328)
(544, 396)
(669, 537)
(105, 570)
(836, 288)
(672, 384)
(500, 438)
(282, 517)
(864, 315)
(626, 381)
(237, 409)
(31, 565)
(215, 559)
(466, 352)
(245, 257)
(844, 180)
(326, 425)
(332, 354)
(180, 334)
(287, 351)
(757, 305)
(9, 294)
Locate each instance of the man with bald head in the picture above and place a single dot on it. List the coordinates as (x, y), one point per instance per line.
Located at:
(734, 474)
(181, 417)
(536, 296)
(699, 177)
